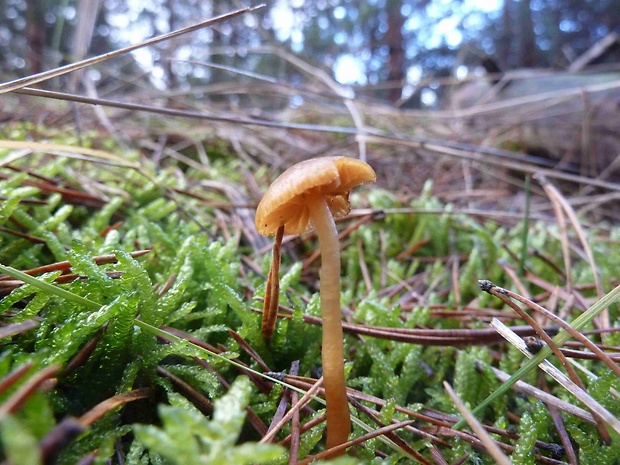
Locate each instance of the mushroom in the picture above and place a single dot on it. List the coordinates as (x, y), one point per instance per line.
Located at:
(309, 195)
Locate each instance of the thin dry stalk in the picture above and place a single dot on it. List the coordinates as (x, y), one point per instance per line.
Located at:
(552, 371)
(373, 415)
(295, 422)
(343, 447)
(46, 75)
(543, 396)
(272, 291)
(566, 326)
(433, 417)
(305, 399)
(558, 199)
(363, 265)
(501, 293)
(560, 427)
(489, 443)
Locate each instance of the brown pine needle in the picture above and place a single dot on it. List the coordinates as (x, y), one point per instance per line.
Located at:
(305, 399)
(342, 447)
(23, 393)
(17, 328)
(110, 404)
(272, 291)
(65, 266)
(14, 376)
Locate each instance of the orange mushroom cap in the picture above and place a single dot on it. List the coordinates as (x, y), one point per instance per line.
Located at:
(284, 203)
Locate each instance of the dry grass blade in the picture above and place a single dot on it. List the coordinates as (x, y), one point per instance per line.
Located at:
(46, 75)
(339, 90)
(545, 397)
(566, 326)
(307, 383)
(71, 151)
(185, 113)
(557, 198)
(494, 451)
(556, 374)
(554, 96)
(496, 291)
(562, 337)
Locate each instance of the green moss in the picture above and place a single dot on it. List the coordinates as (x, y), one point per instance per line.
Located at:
(199, 283)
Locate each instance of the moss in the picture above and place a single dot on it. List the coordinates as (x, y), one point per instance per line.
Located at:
(196, 280)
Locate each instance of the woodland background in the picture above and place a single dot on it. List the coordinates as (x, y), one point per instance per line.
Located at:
(132, 183)
(392, 50)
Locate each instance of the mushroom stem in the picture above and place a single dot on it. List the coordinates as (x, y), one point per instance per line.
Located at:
(337, 404)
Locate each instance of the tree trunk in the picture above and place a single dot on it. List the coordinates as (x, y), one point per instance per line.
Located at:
(527, 57)
(35, 36)
(396, 59)
(506, 56)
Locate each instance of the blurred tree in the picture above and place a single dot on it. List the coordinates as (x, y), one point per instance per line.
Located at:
(550, 32)
(385, 45)
(395, 41)
(526, 54)
(35, 36)
(39, 35)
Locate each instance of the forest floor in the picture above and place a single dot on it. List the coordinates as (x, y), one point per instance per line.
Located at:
(133, 281)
